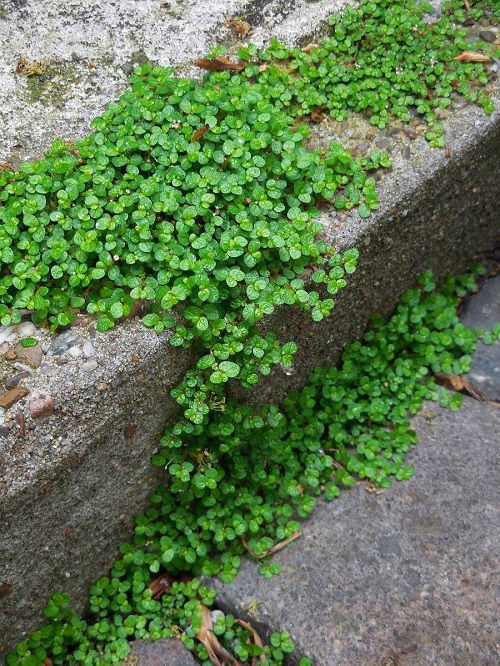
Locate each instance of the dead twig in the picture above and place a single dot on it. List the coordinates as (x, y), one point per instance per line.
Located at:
(272, 550)
(209, 639)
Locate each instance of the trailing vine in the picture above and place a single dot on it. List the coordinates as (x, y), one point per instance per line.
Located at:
(200, 199)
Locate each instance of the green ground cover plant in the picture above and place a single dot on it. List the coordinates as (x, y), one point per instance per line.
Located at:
(248, 490)
(200, 199)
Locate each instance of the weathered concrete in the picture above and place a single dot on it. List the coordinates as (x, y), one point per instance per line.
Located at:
(483, 312)
(163, 652)
(71, 485)
(407, 577)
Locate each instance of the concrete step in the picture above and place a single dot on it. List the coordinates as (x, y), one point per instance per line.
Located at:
(74, 452)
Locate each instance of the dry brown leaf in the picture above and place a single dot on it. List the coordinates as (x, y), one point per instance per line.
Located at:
(467, 6)
(272, 550)
(161, 585)
(264, 67)
(309, 47)
(5, 167)
(457, 383)
(472, 56)
(220, 64)
(5, 588)
(256, 638)
(461, 383)
(209, 639)
(199, 132)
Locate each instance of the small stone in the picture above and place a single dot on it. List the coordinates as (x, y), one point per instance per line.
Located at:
(406, 153)
(4, 432)
(14, 381)
(383, 143)
(40, 404)
(13, 396)
(31, 355)
(88, 349)
(89, 366)
(363, 146)
(102, 387)
(75, 351)
(26, 329)
(393, 131)
(10, 355)
(62, 343)
(487, 35)
(411, 134)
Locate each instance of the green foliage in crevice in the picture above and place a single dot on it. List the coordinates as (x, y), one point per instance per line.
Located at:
(385, 59)
(253, 472)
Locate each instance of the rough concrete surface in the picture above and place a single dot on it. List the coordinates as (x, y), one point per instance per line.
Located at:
(483, 312)
(407, 577)
(163, 652)
(73, 478)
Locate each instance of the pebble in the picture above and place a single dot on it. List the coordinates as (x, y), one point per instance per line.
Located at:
(40, 404)
(62, 343)
(383, 143)
(14, 381)
(4, 431)
(31, 355)
(88, 349)
(22, 367)
(75, 351)
(10, 355)
(21, 330)
(216, 615)
(13, 396)
(487, 35)
(406, 153)
(89, 366)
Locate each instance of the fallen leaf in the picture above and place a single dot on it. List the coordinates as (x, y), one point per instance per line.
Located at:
(209, 639)
(461, 383)
(264, 67)
(309, 48)
(5, 588)
(130, 430)
(272, 550)
(471, 56)
(161, 585)
(220, 64)
(5, 167)
(199, 132)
